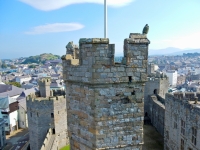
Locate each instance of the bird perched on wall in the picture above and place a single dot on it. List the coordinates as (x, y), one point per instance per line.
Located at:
(145, 29)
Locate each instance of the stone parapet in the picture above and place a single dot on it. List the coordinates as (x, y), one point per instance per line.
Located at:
(187, 96)
(49, 140)
(93, 41)
(96, 63)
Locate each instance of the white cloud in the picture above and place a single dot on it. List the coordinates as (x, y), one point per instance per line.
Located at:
(183, 42)
(55, 27)
(48, 5)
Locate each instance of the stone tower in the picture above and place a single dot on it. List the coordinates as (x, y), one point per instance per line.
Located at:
(44, 87)
(158, 85)
(105, 100)
(47, 118)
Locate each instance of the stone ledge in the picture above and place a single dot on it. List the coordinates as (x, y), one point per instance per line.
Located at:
(137, 41)
(137, 35)
(94, 41)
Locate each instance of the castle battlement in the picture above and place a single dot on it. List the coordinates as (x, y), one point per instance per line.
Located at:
(34, 98)
(187, 96)
(43, 81)
(96, 61)
(154, 79)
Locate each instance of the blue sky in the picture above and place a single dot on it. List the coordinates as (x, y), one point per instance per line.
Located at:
(32, 27)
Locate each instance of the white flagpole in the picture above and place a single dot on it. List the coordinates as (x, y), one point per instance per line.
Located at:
(105, 19)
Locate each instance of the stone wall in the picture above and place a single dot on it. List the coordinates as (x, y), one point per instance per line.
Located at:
(104, 99)
(60, 122)
(182, 116)
(157, 113)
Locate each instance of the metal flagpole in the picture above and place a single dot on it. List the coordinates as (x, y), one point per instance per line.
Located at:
(105, 19)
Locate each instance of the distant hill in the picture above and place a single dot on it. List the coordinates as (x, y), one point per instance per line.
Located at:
(172, 51)
(42, 58)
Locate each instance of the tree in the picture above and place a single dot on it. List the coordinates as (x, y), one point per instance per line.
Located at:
(4, 65)
(14, 83)
(32, 66)
(13, 67)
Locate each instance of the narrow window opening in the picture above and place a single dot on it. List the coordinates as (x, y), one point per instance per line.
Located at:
(194, 136)
(52, 115)
(130, 79)
(53, 131)
(125, 100)
(182, 144)
(133, 93)
(155, 92)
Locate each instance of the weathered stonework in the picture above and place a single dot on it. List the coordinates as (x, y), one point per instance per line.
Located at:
(45, 111)
(157, 85)
(154, 103)
(157, 112)
(105, 103)
(182, 116)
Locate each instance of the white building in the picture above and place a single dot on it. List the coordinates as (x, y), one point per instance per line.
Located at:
(172, 75)
(23, 121)
(9, 106)
(197, 71)
(21, 79)
(9, 112)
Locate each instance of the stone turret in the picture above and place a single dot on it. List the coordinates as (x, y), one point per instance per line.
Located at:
(105, 100)
(72, 50)
(44, 87)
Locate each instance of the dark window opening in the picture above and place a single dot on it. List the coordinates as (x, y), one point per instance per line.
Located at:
(133, 93)
(155, 92)
(125, 100)
(52, 115)
(130, 79)
(146, 114)
(53, 131)
(31, 114)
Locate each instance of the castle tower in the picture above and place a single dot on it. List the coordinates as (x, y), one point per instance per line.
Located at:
(44, 87)
(158, 85)
(47, 118)
(104, 99)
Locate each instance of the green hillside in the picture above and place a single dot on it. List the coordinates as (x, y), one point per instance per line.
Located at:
(40, 59)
